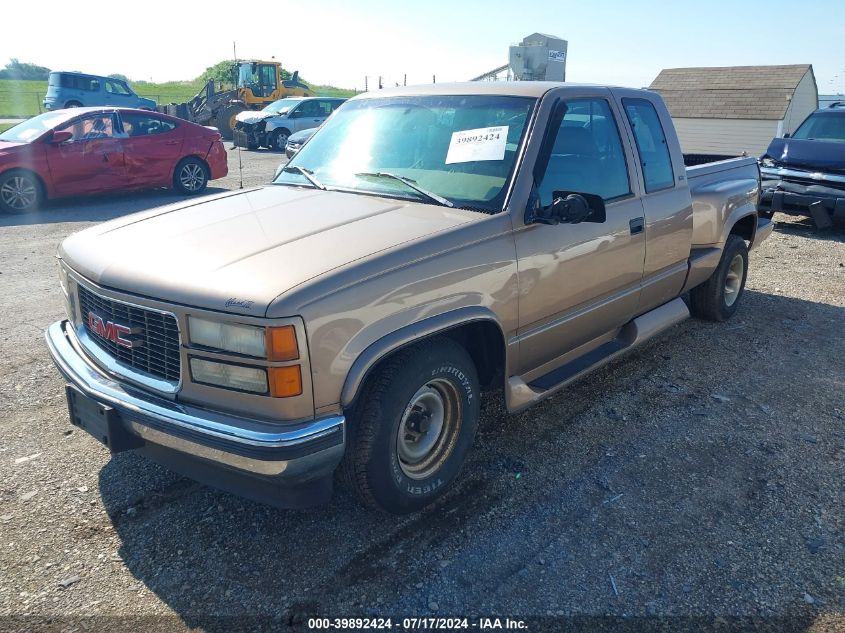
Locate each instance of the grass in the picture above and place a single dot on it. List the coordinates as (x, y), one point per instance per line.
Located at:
(23, 98)
(5, 126)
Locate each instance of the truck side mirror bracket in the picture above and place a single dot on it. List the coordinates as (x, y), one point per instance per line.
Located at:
(567, 207)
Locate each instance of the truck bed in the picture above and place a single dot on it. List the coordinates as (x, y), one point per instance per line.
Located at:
(719, 189)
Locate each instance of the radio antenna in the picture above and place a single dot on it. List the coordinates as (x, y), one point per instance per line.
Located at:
(240, 166)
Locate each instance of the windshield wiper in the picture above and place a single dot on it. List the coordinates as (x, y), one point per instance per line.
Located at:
(296, 169)
(409, 183)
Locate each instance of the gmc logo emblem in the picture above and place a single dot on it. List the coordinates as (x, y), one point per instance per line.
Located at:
(110, 331)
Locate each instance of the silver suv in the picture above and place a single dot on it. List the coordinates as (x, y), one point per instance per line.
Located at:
(272, 126)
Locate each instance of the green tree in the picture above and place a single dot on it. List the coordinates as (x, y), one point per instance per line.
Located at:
(221, 71)
(119, 76)
(16, 69)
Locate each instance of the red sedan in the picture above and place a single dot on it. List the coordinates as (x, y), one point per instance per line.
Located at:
(85, 151)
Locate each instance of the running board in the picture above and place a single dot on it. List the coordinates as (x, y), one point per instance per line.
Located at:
(520, 394)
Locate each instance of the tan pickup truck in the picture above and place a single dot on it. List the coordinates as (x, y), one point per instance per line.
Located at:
(426, 245)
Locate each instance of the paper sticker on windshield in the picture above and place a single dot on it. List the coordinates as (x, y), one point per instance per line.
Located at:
(484, 143)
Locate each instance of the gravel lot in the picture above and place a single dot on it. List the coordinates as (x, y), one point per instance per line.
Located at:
(701, 476)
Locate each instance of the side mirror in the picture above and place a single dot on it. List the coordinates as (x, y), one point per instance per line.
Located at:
(62, 136)
(569, 207)
(786, 135)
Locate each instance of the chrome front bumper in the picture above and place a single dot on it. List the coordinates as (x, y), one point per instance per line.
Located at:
(286, 456)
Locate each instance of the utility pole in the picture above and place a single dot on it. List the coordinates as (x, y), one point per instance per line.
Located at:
(405, 81)
(434, 79)
(365, 83)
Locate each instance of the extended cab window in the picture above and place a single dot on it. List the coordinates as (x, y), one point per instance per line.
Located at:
(144, 125)
(651, 143)
(587, 156)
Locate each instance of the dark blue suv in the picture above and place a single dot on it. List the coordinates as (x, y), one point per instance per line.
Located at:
(804, 174)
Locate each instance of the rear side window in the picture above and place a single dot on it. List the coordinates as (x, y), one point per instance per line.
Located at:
(651, 144)
(144, 125)
(587, 156)
(76, 82)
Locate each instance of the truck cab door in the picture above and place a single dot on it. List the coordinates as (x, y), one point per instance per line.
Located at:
(665, 195)
(580, 281)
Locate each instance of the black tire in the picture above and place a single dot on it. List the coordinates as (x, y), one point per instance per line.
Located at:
(279, 139)
(190, 176)
(399, 394)
(718, 298)
(20, 192)
(73, 104)
(225, 120)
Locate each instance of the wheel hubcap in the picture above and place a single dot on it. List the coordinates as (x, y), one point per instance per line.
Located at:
(281, 141)
(192, 177)
(733, 280)
(429, 429)
(19, 193)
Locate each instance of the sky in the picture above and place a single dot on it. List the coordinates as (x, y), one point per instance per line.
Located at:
(339, 43)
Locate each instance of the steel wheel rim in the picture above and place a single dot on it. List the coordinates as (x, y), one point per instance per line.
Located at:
(733, 280)
(429, 429)
(19, 193)
(192, 176)
(281, 140)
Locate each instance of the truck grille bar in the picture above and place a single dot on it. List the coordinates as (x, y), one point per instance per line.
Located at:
(154, 335)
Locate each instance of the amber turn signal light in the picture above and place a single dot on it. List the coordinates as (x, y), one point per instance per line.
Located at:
(281, 343)
(285, 381)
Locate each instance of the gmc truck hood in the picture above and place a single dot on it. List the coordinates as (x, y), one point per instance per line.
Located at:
(824, 156)
(236, 252)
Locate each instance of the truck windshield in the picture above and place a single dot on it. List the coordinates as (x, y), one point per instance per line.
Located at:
(823, 126)
(462, 149)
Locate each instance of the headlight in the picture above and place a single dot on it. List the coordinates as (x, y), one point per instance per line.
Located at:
(273, 343)
(240, 339)
(230, 376)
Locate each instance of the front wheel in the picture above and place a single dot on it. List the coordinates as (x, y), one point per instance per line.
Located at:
(718, 298)
(20, 192)
(190, 176)
(279, 140)
(412, 427)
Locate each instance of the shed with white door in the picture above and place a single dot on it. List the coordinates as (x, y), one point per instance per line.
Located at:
(728, 111)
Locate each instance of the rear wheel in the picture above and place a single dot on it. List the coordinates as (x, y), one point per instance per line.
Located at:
(20, 191)
(190, 176)
(73, 104)
(412, 427)
(718, 298)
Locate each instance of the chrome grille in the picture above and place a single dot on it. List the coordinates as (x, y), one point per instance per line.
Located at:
(157, 352)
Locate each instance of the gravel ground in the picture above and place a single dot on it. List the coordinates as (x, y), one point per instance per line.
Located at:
(699, 477)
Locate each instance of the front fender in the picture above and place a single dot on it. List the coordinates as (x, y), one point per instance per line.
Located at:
(407, 335)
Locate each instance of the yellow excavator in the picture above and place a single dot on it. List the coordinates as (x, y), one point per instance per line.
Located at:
(257, 84)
